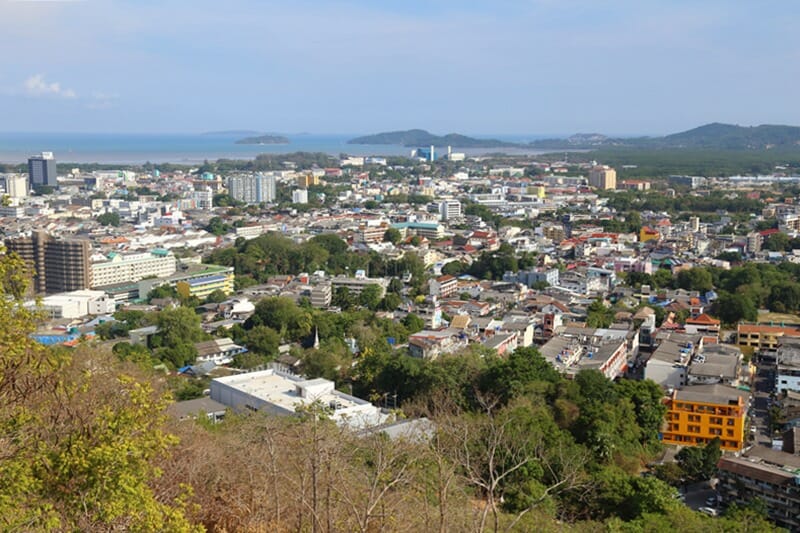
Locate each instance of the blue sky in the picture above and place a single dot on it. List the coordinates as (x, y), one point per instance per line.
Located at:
(543, 67)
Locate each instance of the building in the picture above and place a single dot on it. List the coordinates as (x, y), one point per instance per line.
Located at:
(358, 283)
(57, 265)
(699, 413)
(219, 351)
(450, 209)
(300, 196)
(603, 177)
(787, 373)
(605, 350)
(771, 476)
(307, 180)
(77, 304)
(428, 154)
(428, 230)
(204, 198)
(252, 189)
(321, 295)
(125, 268)
(765, 337)
(42, 170)
(196, 280)
(443, 286)
(280, 393)
(16, 186)
(692, 182)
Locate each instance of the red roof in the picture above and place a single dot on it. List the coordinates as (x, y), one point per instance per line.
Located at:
(703, 319)
(768, 232)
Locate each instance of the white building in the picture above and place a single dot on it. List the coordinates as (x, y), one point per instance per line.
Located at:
(252, 189)
(76, 304)
(119, 268)
(16, 185)
(280, 393)
(450, 209)
(300, 196)
(204, 198)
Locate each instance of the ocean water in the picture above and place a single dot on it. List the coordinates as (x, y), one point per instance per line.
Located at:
(189, 148)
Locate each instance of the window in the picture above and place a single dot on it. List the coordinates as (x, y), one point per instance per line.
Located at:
(694, 429)
(729, 433)
(716, 420)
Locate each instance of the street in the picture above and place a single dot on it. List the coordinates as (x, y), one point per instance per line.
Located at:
(762, 388)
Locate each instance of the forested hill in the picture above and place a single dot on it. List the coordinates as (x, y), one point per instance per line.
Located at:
(715, 136)
(423, 138)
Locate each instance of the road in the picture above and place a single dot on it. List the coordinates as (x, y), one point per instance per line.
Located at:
(762, 388)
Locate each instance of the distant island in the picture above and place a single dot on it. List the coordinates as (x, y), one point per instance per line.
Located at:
(264, 139)
(423, 138)
(230, 133)
(714, 136)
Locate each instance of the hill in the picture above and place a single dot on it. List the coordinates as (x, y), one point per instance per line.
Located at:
(264, 139)
(419, 137)
(715, 136)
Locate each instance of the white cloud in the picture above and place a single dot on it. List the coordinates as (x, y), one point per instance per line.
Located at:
(36, 85)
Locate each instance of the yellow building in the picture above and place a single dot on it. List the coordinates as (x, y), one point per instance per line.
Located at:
(306, 180)
(648, 234)
(603, 177)
(763, 336)
(203, 282)
(699, 413)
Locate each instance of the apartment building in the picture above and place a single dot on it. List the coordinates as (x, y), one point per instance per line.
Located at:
(443, 286)
(771, 476)
(603, 177)
(357, 284)
(699, 413)
(321, 295)
(765, 337)
(56, 265)
(126, 268)
(252, 189)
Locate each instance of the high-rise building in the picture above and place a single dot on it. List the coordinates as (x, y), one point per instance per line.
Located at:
(16, 186)
(57, 265)
(204, 198)
(252, 189)
(300, 196)
(450, 209)
(307, 180)
(603, 177)
(42, 170)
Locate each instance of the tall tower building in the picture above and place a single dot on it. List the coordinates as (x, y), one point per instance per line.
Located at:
(253, 189)
(603, 177)
(42, 170)
(16, 186)
(57, 265)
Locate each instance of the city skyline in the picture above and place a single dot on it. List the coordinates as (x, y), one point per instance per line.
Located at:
(509, 67)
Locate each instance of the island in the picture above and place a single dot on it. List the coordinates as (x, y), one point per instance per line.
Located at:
(264, 139)
(419, 137)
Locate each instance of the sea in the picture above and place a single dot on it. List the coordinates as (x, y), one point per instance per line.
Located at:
(190, 149)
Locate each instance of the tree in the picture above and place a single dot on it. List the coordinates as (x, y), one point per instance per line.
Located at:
(413, 323)
(263, 340)
(695, 279)
(598, 315)
(777, 242)
(392, 235)
(217, 227)
(108, 219)
(370, 297)
(97, 429)
(700, 463)
(731, 308)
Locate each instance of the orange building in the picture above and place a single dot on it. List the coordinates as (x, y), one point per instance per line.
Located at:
(699, 413)
(763, 336)
(648, 234)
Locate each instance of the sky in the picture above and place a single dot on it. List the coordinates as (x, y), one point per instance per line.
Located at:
(621, 67)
